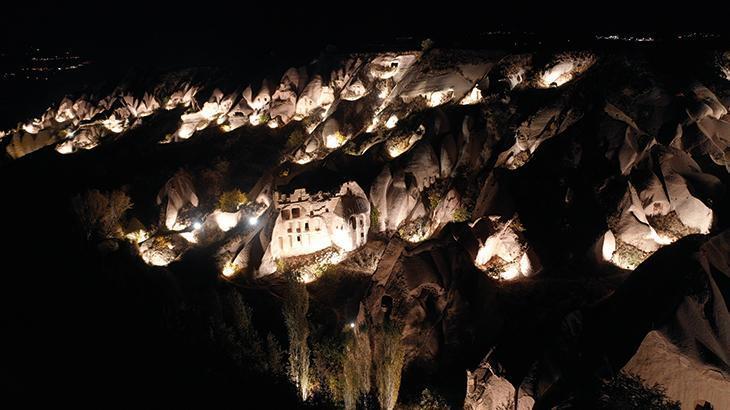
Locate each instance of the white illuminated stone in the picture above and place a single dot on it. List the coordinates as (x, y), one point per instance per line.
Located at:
(439, 97)
(333, 141)
(510, 273)
(114, 125)
(189, 236)
(392, 122)
(609, 245)
(66, 147)
(225, 220)
(474, 97)
(186, 131)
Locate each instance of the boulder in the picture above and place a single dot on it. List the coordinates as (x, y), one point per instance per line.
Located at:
(486, 390)
(423, 165)
(178, 191)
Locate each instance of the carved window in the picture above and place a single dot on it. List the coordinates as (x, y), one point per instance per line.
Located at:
(296, 212)
(306, 226)
(286, 214)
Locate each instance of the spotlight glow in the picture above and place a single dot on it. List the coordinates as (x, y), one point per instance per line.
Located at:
(229, 269)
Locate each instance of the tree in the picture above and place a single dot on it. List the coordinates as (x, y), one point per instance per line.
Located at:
(389, 364)
(295, 311)
(230, 201)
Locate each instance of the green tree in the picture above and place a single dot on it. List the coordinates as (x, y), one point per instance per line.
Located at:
(296, 306)
(230, 201)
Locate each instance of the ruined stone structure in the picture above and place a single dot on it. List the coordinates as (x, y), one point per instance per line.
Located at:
(309, 223)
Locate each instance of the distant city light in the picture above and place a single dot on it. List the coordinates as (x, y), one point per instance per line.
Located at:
(197, 225)
(253, 220)
(352, 325)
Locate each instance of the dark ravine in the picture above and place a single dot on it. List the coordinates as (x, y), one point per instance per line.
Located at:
(464, 228)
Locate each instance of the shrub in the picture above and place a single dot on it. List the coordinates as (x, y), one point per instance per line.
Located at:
(281, 265)
(295, 140)
(230, 201)
(426, 44)
(461, 214)
(100, 213)
(429, 400)
(434, 197)
(628, 391)
(374, 217)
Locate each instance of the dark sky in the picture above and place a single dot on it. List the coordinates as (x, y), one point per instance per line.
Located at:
(136, 26)
(252, 37)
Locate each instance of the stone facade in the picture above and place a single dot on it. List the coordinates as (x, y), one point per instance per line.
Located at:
(309, 223)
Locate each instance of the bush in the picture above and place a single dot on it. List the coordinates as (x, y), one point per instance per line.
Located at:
(100, 213)
(434, 197)
(628, 391)
(295, 140)
(461, 214)
(426, 44)
(230, 201)
(374, 217)
(429, 400)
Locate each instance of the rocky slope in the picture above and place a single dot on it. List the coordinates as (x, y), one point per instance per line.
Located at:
(538, 220)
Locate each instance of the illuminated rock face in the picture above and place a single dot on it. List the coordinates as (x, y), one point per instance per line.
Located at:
(310, 223)
(564, 68)
(485, 390)
(690, 355)
(659, 361)
(503, 251)
(178, 191)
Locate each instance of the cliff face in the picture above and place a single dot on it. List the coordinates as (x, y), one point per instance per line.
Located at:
(518, 202)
